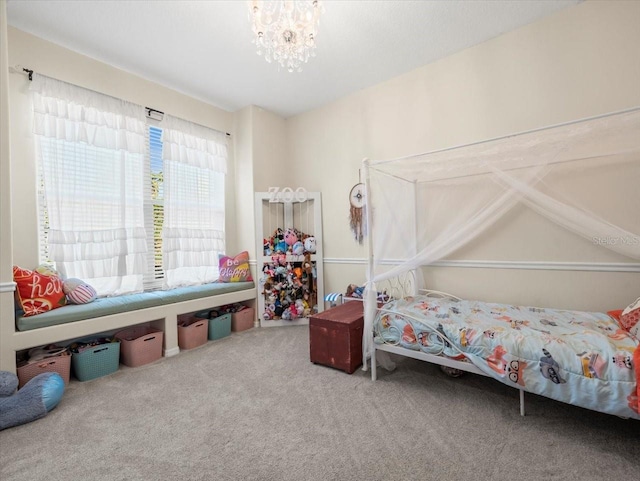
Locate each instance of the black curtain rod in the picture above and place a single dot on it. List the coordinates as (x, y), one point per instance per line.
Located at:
(30, 72)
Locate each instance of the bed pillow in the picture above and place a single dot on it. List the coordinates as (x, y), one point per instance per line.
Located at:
(629, 319)
(615, 314)
(235, 269)
(37, 293)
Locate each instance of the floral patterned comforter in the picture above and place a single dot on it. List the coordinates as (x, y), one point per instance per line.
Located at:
(582, 358)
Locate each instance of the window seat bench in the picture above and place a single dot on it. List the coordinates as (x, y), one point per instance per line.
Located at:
(157, 308)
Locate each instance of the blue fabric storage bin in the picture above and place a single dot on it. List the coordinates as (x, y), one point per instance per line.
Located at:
(220, 327)
(96, 361)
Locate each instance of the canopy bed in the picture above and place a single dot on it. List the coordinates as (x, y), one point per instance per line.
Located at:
(423, 208)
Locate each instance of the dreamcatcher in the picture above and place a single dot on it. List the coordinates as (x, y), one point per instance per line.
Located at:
(357, 215)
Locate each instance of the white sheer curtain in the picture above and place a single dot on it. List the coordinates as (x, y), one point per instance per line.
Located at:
(91, 150)
(195, 164)
(433, 204)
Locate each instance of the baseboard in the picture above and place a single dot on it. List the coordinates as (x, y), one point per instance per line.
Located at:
(174, 351)
(302, 321)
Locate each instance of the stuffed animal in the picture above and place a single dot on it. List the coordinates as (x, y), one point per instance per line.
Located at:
(47, 269)
(297, 249)
(310, 244)
(266, 246)
(290, 237)
(307, 268)
(354, 291)
(36, 398)
(281, 247)
(278, 310)
(277, 236)
(281, 273)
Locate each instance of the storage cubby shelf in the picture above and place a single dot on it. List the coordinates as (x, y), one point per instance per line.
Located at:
(289, 290)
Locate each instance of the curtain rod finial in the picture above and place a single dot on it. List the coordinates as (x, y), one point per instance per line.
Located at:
(20, 69)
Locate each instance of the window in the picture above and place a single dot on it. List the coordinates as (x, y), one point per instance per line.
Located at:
(154, 210)
(193, 237)
(91, 153)
(124, 205)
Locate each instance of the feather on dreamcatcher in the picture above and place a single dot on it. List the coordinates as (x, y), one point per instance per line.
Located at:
(357, 213)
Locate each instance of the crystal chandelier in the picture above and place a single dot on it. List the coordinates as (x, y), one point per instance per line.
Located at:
(285, 30)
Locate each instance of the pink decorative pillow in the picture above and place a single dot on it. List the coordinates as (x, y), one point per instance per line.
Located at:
(630, 319)
(235, 269)
(78, 292)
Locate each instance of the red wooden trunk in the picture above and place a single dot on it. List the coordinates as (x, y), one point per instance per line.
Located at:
(335, 336)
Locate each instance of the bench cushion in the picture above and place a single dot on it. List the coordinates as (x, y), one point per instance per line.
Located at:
(114, 305)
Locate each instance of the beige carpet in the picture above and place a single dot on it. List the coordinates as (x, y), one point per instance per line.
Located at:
(252, 407)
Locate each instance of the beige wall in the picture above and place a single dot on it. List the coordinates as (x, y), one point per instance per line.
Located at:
(261, 163)
(7, 356)
(244, 170)
(6, 275)
(271, 167)
(580, 62)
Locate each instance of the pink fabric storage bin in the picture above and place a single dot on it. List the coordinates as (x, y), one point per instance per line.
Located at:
(60, 364)
(192, 331)
(242, 319)
(140, 345)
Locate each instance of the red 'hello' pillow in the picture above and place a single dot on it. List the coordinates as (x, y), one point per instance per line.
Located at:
(37, 292)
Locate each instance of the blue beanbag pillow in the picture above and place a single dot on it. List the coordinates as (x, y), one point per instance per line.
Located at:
(36, 398)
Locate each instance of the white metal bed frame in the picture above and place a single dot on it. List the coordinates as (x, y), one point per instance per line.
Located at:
(398, 289)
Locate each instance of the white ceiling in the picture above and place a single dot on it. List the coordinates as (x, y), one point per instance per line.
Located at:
(203, 48)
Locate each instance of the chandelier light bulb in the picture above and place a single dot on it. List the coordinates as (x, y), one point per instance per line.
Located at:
(285, 30)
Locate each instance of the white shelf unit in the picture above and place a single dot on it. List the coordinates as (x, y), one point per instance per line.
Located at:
(306, 217)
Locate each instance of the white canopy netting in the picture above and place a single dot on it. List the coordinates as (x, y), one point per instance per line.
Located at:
(423, 208)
